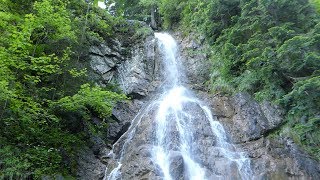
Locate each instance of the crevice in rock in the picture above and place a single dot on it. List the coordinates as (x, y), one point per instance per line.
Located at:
(135, 95)
(114, 68)
(273, 130)
(123, 130)
(114, 118)
(111, 56)
(95, 54)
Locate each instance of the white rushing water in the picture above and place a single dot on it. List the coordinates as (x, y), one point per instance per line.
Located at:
(171, 111)
(176, 124)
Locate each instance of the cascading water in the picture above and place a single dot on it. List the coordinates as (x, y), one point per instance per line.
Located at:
(187, 142)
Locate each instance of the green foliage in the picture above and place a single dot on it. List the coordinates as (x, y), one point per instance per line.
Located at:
(304, 99)
(133, 9)
(217, 82)
(304, 115)
(90, 99)
(209, 17)
(41, 91)
(308, 135)
(170, 11)
(316, 4)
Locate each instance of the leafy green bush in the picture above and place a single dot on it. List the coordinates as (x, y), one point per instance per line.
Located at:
(90, 99)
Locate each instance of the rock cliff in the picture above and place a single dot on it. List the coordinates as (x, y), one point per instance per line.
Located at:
(137, 70)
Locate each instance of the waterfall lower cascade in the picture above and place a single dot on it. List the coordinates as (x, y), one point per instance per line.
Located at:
(177, 135)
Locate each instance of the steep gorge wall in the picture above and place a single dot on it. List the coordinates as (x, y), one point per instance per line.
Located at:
(137, 70)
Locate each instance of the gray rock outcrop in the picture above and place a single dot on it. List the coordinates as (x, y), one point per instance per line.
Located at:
(89, 166)
(122, 114)
(252, 119)
(195, 60)
(249, 124)
(132, 68)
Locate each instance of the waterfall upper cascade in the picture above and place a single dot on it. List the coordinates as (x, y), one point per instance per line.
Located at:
(175, 135)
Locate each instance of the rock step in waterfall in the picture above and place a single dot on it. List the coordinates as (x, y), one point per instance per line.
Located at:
(176, 136)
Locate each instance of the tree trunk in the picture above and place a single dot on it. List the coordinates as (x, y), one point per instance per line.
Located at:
(153, 18)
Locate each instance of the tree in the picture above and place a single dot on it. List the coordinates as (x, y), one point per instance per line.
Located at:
(152, 5)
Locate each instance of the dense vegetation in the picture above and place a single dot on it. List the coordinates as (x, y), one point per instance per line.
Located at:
(270, 49)
(46, 98)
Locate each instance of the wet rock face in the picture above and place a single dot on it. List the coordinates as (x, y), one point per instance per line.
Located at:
(271, 158)
(122, 115)
(136, 147)
(243, 117)
(248, 123)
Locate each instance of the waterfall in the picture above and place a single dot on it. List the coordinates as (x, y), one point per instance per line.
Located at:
(188, 142)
